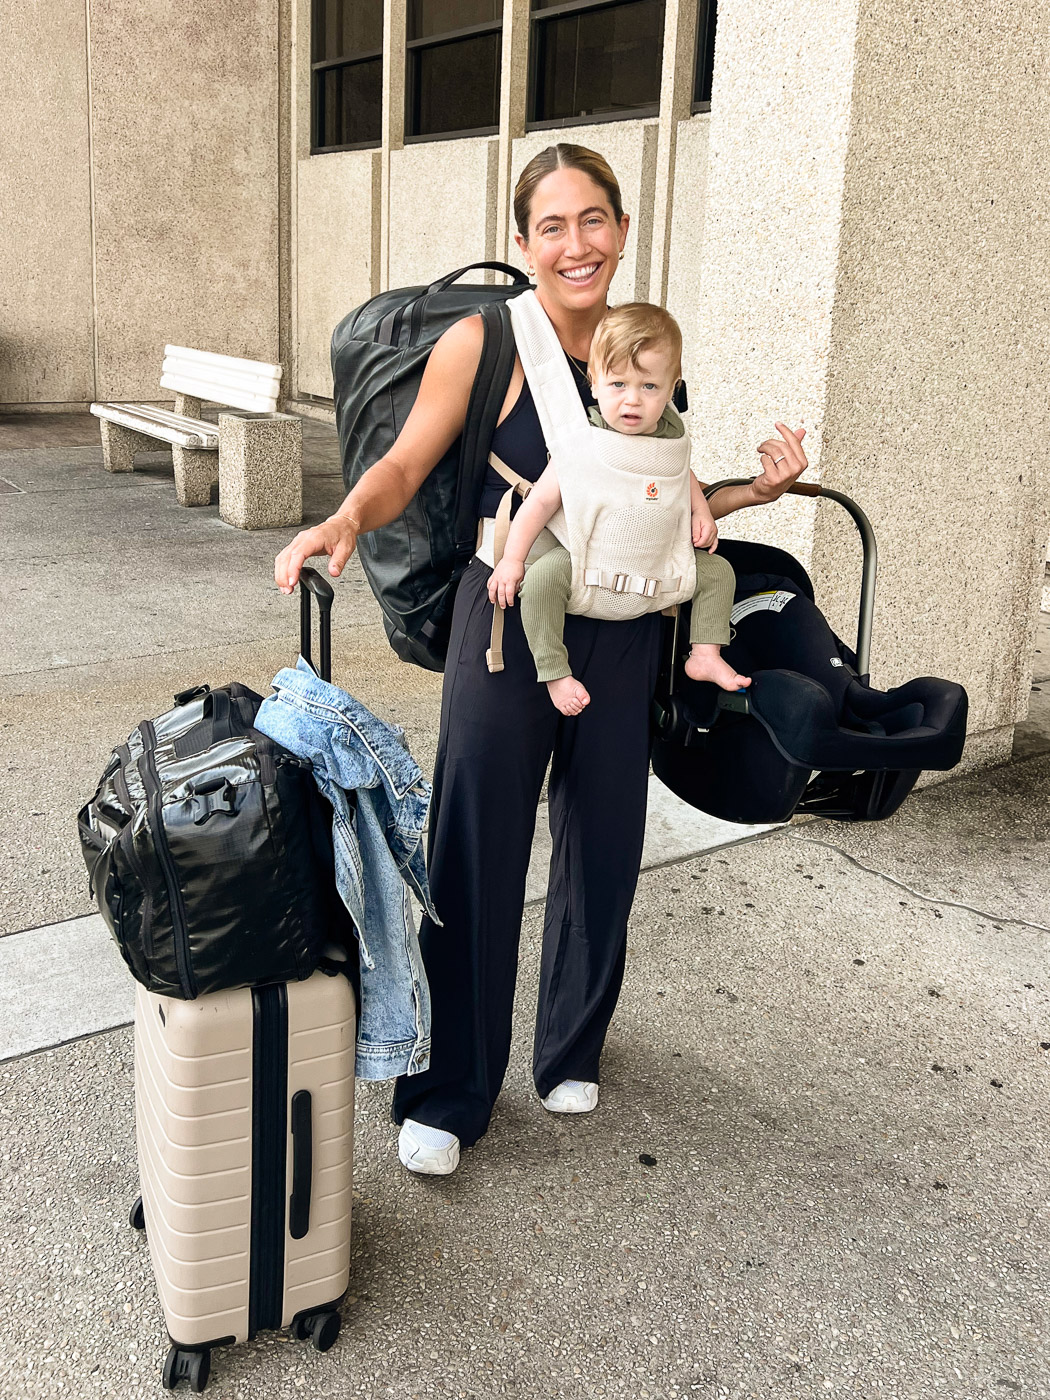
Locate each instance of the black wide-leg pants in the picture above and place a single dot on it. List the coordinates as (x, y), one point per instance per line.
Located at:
(497, 734)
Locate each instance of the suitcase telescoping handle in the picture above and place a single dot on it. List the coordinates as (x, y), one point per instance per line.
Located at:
(302, 1164)
(310, 581)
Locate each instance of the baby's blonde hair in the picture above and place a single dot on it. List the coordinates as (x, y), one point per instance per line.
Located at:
(627, 331)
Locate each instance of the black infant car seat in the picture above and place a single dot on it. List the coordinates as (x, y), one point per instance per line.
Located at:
(810, 734)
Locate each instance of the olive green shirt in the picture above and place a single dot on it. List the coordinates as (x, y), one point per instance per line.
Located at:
(669, 426)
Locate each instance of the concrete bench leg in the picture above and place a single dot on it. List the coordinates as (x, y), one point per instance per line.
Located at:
(119, 446)
(260, 470)
(196, 473)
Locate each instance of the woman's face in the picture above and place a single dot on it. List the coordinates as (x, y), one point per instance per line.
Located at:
(574, 240)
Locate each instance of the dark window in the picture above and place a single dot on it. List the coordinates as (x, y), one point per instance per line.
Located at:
(454, 50)
(591, 59)
(346, 39)
(706, 19)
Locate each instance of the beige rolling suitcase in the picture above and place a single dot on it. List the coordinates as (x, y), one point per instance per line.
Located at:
(244, 1105)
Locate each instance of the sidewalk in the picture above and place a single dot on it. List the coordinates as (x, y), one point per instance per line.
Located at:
(819, 1163)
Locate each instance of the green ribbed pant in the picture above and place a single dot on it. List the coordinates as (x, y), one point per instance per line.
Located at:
(545, 594)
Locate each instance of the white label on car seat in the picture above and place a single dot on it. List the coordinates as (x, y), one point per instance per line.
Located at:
(772, 601)
(836, 661)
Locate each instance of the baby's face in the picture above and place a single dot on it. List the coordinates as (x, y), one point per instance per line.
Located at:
(630, 397)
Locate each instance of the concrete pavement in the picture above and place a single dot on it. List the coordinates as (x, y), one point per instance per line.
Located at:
(818, 1167)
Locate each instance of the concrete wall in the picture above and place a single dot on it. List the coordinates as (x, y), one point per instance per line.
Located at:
(337, 255)
(46, 336)
(165, 119)
(442, 208)
(937, 413)
(875, 226)
(688, 209)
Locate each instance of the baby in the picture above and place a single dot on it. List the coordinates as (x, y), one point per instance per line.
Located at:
(634, 366)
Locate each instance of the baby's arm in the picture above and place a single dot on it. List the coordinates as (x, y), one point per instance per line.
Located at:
(705, 531)
(533, 514)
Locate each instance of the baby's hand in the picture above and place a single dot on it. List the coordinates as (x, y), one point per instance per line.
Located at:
(705, 531)
(506, 581)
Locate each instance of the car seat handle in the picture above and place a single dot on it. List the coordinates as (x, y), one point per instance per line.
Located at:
(869, 566)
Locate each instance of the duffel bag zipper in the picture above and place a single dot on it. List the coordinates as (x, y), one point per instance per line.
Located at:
(151, 783)
(128, 845)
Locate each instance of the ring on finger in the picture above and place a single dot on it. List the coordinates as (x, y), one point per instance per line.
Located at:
(778, 459)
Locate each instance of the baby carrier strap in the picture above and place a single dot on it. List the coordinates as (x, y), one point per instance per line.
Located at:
(521, 485)
(558, 404)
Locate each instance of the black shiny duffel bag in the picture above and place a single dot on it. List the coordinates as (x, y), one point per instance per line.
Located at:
(209, 847)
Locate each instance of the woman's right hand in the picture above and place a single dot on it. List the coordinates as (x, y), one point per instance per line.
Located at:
(336, 537)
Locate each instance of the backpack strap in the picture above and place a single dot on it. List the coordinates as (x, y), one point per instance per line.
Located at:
(487, 393)
(521, 485)
(558, 404)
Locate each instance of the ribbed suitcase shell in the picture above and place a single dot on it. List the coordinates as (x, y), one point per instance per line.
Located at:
(193, 1117)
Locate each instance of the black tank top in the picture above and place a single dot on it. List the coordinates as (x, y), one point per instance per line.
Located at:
(518, 441)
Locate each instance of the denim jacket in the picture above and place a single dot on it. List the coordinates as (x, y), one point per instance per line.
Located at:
(378, 855)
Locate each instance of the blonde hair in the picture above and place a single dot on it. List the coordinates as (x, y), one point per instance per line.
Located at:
(627, 331)
(563, 156)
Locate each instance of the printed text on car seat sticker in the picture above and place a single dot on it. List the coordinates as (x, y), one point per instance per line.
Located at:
(771, 601)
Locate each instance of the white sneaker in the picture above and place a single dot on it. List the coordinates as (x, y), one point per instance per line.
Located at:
(429, 1151)
(572, 1096)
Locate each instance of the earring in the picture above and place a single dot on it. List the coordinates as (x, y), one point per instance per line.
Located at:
(621, 255)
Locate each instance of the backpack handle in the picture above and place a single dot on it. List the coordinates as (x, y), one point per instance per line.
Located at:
(513, 272)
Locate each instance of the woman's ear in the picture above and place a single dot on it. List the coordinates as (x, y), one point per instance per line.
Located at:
(523, 248)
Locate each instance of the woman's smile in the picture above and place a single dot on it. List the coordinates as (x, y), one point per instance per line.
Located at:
(580, 276)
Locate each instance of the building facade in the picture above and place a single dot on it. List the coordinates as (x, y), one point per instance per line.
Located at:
(843, 203)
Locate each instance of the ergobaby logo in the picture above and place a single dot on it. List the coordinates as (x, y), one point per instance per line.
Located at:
(652, 492)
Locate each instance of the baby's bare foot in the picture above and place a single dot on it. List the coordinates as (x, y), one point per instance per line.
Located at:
(568, 695)
(704, 663)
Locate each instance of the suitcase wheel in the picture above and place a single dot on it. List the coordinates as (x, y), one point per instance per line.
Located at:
(321, 1328)
(137, 1216)
(192, 1366)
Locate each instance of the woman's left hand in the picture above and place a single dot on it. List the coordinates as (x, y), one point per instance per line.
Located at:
(783, 462)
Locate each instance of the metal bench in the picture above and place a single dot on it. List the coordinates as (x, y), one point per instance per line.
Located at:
(255, 453)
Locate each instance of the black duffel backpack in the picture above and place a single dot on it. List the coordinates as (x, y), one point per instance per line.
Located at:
(209, 851)
(379, 353)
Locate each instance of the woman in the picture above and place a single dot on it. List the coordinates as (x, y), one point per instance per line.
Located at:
(498, 731)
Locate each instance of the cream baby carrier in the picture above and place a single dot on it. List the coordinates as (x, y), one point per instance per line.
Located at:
(625, 513)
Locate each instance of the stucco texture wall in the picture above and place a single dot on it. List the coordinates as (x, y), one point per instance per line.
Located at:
(46, 338)
(185, 166)
(337, 244)
(937, 410)
(442, 208)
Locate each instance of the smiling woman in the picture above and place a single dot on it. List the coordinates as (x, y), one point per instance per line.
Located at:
(499, 731)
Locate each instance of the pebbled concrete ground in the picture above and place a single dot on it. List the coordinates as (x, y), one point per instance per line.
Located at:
(818, 1166)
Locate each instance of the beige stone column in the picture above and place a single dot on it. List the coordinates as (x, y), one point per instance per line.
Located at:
(395, 30)
(875, 231)
(676, 89)
(513, 96)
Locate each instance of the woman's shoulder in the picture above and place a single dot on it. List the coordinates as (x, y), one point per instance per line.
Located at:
(461, 342)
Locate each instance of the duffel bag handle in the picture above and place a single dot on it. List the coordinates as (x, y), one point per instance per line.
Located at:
(513, 272)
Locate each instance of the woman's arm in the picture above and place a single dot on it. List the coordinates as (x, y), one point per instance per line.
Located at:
(385, 489)
(783, 462)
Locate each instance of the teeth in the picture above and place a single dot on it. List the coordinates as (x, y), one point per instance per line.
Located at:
(580, 274)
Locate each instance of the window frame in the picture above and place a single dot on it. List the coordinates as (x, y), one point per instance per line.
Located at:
(436, 41)
(324, 65)
(706, 24)
(538, 16)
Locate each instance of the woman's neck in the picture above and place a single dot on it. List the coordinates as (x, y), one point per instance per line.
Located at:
(574, 329)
